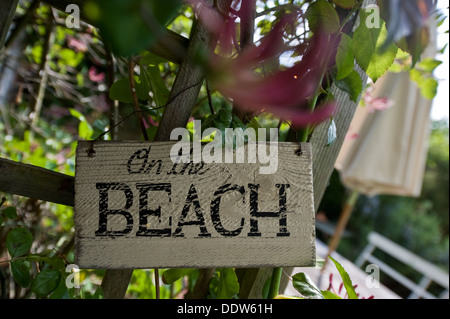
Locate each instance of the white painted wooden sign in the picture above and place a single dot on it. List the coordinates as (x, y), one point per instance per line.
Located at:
(136, 208)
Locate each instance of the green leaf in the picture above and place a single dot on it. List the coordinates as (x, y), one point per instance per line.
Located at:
(171, 275)
(329, 295)
(346, 4)
(121, 91)
(352, 84)
(85, 130)
(21, 272)
(427, 84)
(304, 285)
(346, 279)
(70, 58)
(157, 85)
(266, 288)
(228, 286)
(429, 64)
(220, 120)
(133, 25)
(45, 282)
(150, 59)
(429, 88)
(322, 16)
(345, 60)
(382, 58)
(365, 41)
(60, 292)
(368, 49)
(19, 241)
(142, 86)
(10, 212)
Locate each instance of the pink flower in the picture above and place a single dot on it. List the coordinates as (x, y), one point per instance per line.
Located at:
(376, 104)
(286, 93)
(77, 45)
(152, 121)
(96, 76)
(342, 292)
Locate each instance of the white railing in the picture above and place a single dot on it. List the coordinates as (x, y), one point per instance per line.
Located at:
(431, 273)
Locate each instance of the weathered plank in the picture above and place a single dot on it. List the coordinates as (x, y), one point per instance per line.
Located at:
(135, 208)
(36, 182)
(324, 157)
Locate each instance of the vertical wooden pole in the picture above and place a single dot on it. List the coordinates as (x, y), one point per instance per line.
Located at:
(342, 223)
(115, 282)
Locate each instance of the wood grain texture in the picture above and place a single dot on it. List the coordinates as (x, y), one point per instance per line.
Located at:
(324, 157)
(186, 87)
(227, 238)
(36, 182)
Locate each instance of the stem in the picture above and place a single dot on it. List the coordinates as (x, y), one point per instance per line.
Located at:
(208, 93)
(113, 104)
(275, 283)
(49, 39)
(157, 290)
(137, 109)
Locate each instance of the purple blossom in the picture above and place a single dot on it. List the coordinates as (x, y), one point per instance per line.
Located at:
(286, 93)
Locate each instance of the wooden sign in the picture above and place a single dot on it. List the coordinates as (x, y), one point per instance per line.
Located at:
(136, 208)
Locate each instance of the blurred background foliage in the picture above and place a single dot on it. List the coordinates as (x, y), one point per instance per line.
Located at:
(419, 224)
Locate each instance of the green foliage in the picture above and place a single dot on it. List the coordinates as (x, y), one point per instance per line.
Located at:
(322, 16)
(309, 290)
(49, 281)
(85, 130)
(346, 279)
(304, 285)
(347, 4)
(345, 59)
(131, 26)
(45, 282)
(352, 84)
(422, 74)
(369, 51)
(225, 284)
(20, 270)
(169, 276)
(19, 241)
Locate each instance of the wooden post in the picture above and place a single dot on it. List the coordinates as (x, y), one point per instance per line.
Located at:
(36, 182)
